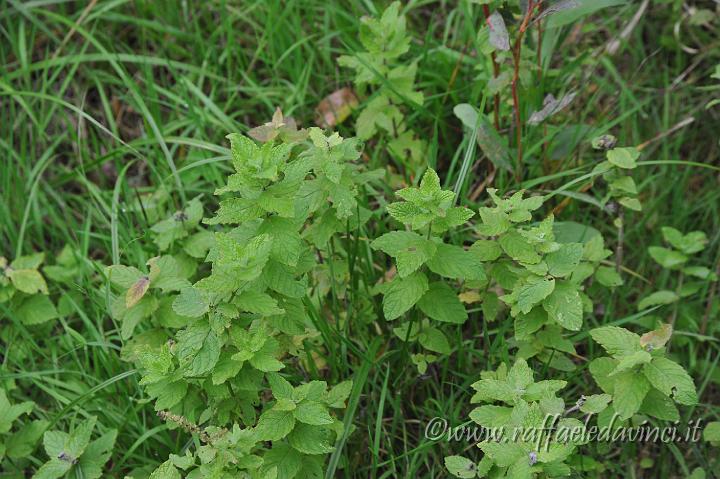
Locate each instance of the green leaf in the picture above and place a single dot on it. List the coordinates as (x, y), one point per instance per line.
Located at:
(441, 303)
(630, 361)
(691, 243)
(166, 470)
(491, 416)
(274, 425)
(36, 309)
(402, 293)
(311, 440)
(9, 413)
(607, 276)
(533, 292)
(257, 303)
(454, 262)
(519, 249)
(563, 262)
(191, 303)
(434, 340)
(564, 306)
(712, 432)
(629, 393)
(660, 406)
(623, 157)
(486, 250)
(313, 412)
(29, 281)
(658, 298)
(22, 443)
(409, 249)
(672, 380)
(461, 467)
(595, 403)
(123, 276)
(494, 222)
(667, 258)
(616, 341)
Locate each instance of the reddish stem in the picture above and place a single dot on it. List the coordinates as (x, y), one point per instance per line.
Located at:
(496, 73)
(516, 75)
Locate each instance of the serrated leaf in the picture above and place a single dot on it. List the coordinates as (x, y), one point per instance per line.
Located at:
(534, 292)
(36, 309)
(672, 380)
(402, 294)
(616, 341)
(454, 262)
(313, 412)
(518, 248)
(274, 425)
(441, 303)
(409, 249)
(10, 412)
(29, 281)
(630, 390)
(191, 303)
(564, 306)
(562, 263)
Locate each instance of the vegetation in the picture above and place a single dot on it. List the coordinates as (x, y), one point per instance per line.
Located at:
(279, 239)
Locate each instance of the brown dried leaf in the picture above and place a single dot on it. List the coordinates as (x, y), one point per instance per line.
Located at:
(335, 108)
(136, 292)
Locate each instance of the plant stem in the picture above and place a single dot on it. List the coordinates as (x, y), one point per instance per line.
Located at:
(496, 73)
(710, 299)
(516, 76)
(621, 239)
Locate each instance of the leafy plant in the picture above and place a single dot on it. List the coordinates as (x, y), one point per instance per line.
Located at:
(75, 453)
(675, 260)
(221, 335)
(425, 264)
(637, 374)
(391, 83)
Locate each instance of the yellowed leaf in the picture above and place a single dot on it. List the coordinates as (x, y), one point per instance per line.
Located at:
(658, 338)
(469, 297)
(335, 108)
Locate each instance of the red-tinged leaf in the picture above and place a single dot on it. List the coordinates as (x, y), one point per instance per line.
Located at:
(137, 291)
(499, 37)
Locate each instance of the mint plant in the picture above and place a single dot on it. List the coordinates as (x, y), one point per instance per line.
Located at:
(17, 441)
(675, 259)
(426, 265)
(381, 73)
(524, 405)
(638, 375)
(75, 453)
(540, 279)
(221, 334)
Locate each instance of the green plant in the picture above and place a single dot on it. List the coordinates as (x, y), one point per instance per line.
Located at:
(222, 334)
(425, 265)
(74, 452)
(390, 82)
(638, 376)
(674, 259)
